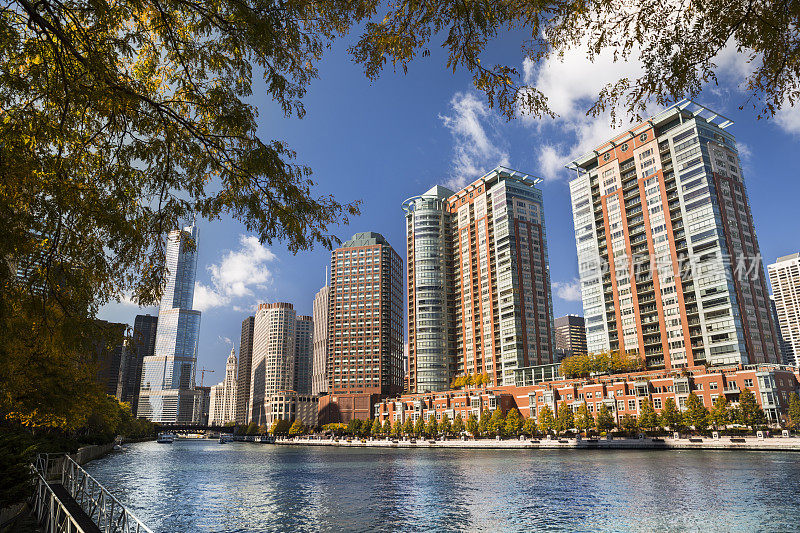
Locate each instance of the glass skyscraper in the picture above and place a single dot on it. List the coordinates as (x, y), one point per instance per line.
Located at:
(168, 393)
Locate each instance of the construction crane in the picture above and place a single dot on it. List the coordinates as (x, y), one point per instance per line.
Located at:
(203, 374)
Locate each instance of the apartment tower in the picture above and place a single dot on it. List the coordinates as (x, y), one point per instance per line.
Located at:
(483, 251)
(431, 302)
(784, 276)
(168, 392)
(365, 321)
(243, 373)
(319, 376)
(667, 252)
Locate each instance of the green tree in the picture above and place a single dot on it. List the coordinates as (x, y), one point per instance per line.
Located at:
(473, 427)
(696, 414)
(297, 429)
(397, 429)
(605, 419)
(445, 428)
(252, 429)
(387, 427)
(458, 425)
(720, 416)
(377, 428)
(497, 424)
(408, 427)
(583, 418)
(648, 419)
(751, 414)
(794, 412)
(628, 424)
(483, 423)
(547, 421)
(430, 427)
(354, 427)
(419, 427)
(529, 427)
(670, 416)
(565, 419)
(513, 423)
(366, 428)
(279, 427)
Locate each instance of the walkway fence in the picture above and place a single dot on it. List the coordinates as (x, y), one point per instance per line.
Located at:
(69, 500)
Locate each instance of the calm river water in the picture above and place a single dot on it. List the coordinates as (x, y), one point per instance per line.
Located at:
(204, 486)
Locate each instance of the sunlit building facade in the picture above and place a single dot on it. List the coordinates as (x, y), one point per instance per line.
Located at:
(273, 363)
(784, 276)
(222, 404)
(669, 262)
(319, 376)
(478, 281)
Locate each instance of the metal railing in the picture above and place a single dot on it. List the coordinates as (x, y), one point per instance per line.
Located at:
(108, 514)
(50, 512)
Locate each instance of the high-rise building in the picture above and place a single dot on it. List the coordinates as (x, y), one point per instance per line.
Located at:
(109, 353)
(431, 297)
(667, 252)
(245, 366)
(479, 281)
(168, 393)
(273, 356)
(142, 344)
(319, 377)
(365, 335)
(784, 276)
(303, 354)
(222, 401)
(570, 335)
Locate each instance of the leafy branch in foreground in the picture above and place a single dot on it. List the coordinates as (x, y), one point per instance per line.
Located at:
(678, 44)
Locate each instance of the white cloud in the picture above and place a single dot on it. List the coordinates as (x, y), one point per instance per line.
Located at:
(236, 275)
(568, 290)
(788, 119)
(572, 83)
(225, 340)
(474, 129)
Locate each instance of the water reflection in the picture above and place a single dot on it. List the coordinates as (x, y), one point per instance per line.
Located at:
(202, 486)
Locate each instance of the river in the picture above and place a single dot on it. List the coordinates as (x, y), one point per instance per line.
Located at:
(194, 485)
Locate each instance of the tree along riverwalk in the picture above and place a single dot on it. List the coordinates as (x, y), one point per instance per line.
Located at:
(69, 500)
(654, 443)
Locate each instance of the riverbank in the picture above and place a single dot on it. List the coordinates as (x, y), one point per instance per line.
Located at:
(689, 443)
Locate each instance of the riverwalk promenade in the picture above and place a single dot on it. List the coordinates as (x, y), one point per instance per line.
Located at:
(655, 443)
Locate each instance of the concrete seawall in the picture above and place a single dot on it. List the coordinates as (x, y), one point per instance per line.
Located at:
(694, 443)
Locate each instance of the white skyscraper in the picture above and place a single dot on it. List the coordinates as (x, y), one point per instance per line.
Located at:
(273, 357)
(784, 276)
(168, 393)
(319, 376)
(223, 395)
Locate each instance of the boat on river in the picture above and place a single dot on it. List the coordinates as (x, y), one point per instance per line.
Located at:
(165, 438)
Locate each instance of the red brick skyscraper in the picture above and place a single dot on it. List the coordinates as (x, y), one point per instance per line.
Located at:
(365, 331)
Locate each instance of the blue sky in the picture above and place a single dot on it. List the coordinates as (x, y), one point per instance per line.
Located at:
(385, 141)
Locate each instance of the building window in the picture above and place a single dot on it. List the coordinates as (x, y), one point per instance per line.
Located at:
(657, 403)
(631, 405)
(748, 383)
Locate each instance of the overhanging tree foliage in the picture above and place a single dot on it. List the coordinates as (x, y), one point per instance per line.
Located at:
(677, 44)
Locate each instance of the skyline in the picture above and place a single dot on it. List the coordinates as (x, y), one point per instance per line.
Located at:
(449, 129)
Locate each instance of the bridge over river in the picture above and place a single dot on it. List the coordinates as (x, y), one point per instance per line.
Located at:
(69, 500)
